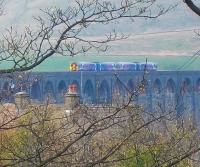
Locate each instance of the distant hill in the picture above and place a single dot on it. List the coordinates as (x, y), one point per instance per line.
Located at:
(164, 62)
(20, 14)
(148, 36)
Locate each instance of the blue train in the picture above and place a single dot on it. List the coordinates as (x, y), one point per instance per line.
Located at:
(110, 66)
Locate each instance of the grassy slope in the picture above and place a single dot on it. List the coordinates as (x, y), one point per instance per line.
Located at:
(61, 63)
(164, 62)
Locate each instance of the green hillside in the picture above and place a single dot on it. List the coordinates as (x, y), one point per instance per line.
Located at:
(164, 62)
(61, 63)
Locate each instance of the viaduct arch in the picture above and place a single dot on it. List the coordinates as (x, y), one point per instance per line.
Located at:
(180, 88)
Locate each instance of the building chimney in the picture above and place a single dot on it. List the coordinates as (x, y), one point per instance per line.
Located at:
(22, 100)
(72, 98)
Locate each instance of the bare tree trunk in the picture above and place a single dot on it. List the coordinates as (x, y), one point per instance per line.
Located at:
(193, 7)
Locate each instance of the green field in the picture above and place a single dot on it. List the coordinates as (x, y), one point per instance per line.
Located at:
(164, 62)
(59, 63)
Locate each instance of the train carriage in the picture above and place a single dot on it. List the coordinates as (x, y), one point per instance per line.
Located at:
(129, 66)
(150, 66)
(111, 66)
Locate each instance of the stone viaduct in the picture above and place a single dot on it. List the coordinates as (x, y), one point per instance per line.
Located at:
(163, 89)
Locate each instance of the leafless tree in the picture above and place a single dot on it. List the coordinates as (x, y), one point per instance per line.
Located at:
(62, 31)
(95, 136)
(101, 136)
(2, 4)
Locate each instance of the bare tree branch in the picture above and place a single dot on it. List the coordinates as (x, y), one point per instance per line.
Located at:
(62, 31)
(192, 6)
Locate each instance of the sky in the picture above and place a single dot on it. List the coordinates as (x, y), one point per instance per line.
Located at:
(20, 13)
